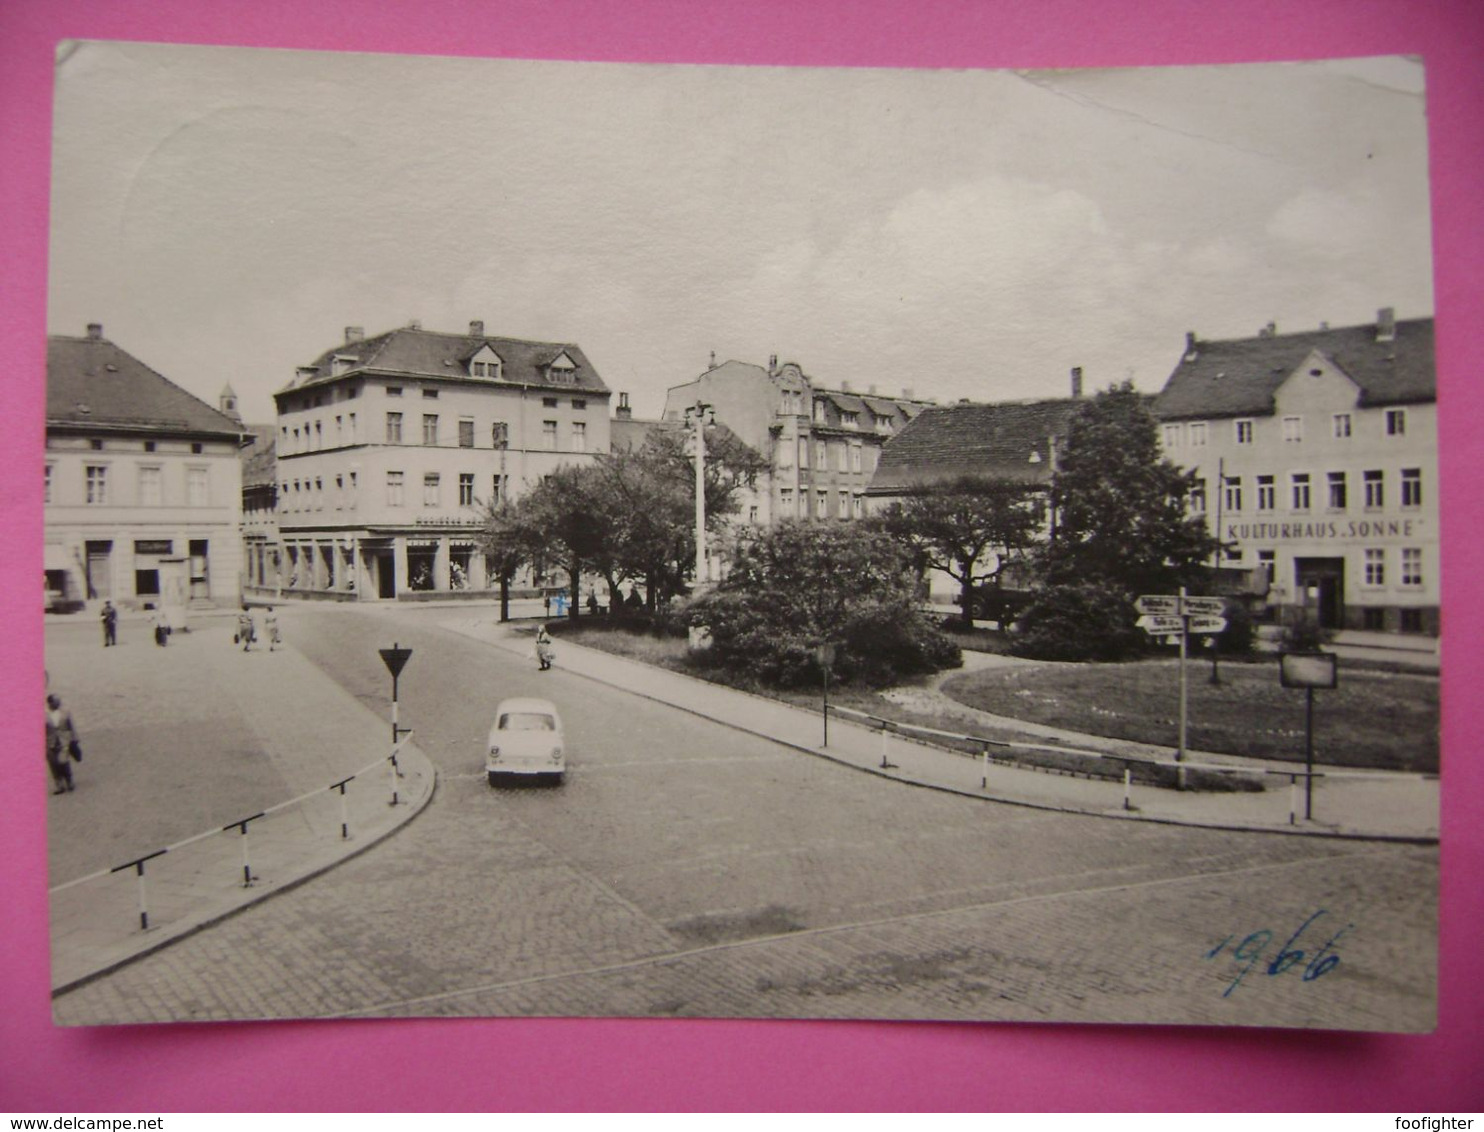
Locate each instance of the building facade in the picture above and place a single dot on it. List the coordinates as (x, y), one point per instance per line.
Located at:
(142, 493)
(388, 449)
(1317, 453)
(821, 445)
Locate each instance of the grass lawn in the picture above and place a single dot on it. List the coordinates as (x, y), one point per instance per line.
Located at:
(1373, 719)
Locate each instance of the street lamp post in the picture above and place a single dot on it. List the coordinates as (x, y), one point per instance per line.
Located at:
(697, 415)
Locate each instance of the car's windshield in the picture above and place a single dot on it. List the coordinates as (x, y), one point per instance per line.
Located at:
(527, 721)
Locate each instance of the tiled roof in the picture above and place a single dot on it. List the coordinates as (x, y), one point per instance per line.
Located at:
(629, 433)
(259, 459)
(1239, 377)
(91, 383)
(993, 441)
(428, 353)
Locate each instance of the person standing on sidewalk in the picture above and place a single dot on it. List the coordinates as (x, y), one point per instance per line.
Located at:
(270, 627)
(110, 619)
(543, 649)
(247, 629)
(62, 746)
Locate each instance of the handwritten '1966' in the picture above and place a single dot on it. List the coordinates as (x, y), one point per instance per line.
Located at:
(1251, 949)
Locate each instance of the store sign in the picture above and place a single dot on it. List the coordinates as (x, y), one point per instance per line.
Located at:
(1307, 670)
(1324, 531)
(152, 546)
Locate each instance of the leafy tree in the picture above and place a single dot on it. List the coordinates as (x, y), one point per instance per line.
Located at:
(509, 540)
(971, 528)
(1119, 508)
(798, 585)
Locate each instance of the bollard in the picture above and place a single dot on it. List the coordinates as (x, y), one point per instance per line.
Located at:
(247, 877)
(1128, 777)
(344, 814)
(138, 867)
(396, 774)
(984, 781)
(1293, 799)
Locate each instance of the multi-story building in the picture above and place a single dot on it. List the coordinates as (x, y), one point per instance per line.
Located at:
(143, 486)
(389, 447)
(262, 559)
(1317, 452)
(821, 444)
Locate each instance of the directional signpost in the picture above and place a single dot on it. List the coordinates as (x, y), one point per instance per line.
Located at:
(1180, 615)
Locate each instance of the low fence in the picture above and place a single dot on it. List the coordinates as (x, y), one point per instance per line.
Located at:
(1301, 781)
(209, 843)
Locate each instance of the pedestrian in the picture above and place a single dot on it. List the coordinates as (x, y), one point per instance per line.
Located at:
(592, 603)
(270, 627)
(162, 627)
(110, 618)
(548, 604)
(247, 629)
(62, 745)
(544, 652)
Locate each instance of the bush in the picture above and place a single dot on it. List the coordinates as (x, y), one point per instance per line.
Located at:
(1080, 622)
(1240, 634)
(1304, 636)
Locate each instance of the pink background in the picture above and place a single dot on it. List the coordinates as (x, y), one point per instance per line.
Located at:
(562, 1064)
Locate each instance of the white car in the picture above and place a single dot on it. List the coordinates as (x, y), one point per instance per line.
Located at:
(526, 738)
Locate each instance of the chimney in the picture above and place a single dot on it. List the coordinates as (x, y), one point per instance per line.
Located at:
(95, 331)
(476, 328)
(1191, 350)
(871, 389)
(354, 333)
(623, 412)
(414, 324)
(1076, 381)
(1386, 324)
(906, 393)
(844, 387)
(1268, 331)
(772, 363)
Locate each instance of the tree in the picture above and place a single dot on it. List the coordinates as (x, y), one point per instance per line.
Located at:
(509, 541)
(1120, 509)
(970, 528)
(796, 586)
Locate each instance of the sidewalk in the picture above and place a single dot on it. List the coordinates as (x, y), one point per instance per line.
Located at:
(270, 726)
(1391, 807)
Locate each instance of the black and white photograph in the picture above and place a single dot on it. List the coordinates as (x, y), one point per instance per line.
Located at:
(589, 539)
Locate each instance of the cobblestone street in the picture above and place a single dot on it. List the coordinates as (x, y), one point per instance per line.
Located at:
(686, 869)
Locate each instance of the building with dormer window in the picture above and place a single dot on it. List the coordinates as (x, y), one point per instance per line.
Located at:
(1318, 455)
(389, 447)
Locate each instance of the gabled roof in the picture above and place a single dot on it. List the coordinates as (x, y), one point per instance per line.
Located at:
(92, 384)
(1238, 377)
(259, 458)
(412, 352)
(994, 441)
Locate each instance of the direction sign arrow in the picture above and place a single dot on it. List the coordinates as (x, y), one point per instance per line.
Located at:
(1158, 603)
(1210, 606)
(1207, 624)
(1158, 623)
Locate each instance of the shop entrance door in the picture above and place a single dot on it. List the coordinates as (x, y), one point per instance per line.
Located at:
(1321, 585)
(100, 570)
(386, 574)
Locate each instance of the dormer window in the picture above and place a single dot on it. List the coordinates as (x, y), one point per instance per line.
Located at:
(341, 364)
(485, 363)
(850, 420)
(562, 370)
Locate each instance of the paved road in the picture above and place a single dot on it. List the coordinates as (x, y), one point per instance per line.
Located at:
(686, 869)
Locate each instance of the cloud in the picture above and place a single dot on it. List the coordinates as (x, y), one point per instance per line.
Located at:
(1325, 222)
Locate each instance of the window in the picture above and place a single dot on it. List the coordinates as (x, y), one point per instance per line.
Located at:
(149, 445)
(1244, 432)
(1375, 567)
(1342, 426)
(1232, 496)
(1172, 436)
(1198, 496)
(819, 412)
(845, 505)
(97, 481)
(466, 432)
(46, 491)
(579, 436)
(339, 492)
(151, 487)
(1411, 487)
(860, 506)
(394, 489)
(1411, 620)
(850, 420)
(841, 457)
(1293, 430)
(430, 489)
(500, 434)
(1375, 491)
(752, 513)
(786, 502)
(394, 391)
(319, 435)
(1337, 491)
(1268, 560)
(1267, 495)
(1198, 434)
(1301, 491)
(1373, 619)
(466, 489)
(855, 457)
(394, 428)
(353, 436)
(197, 448)
(786, 455)
(352, 489)
(430, 394)
(1411, 566)
(339, 431)
(579, 402)
(821, 505)
(1396, 422)
(496, 482)
(548, 402)
(319, 494)
(96, 445)
(549, 435)
(430, 429)
(296, 440)
(821, 455)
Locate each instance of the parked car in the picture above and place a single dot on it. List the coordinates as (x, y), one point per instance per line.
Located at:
(526, 738)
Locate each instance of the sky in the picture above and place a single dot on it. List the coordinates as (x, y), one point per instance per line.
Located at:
(226, 212)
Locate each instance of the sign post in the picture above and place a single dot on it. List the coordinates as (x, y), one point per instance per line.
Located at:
(395, 659)
(824, 655)
(1308, 670)
(1180, 615)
